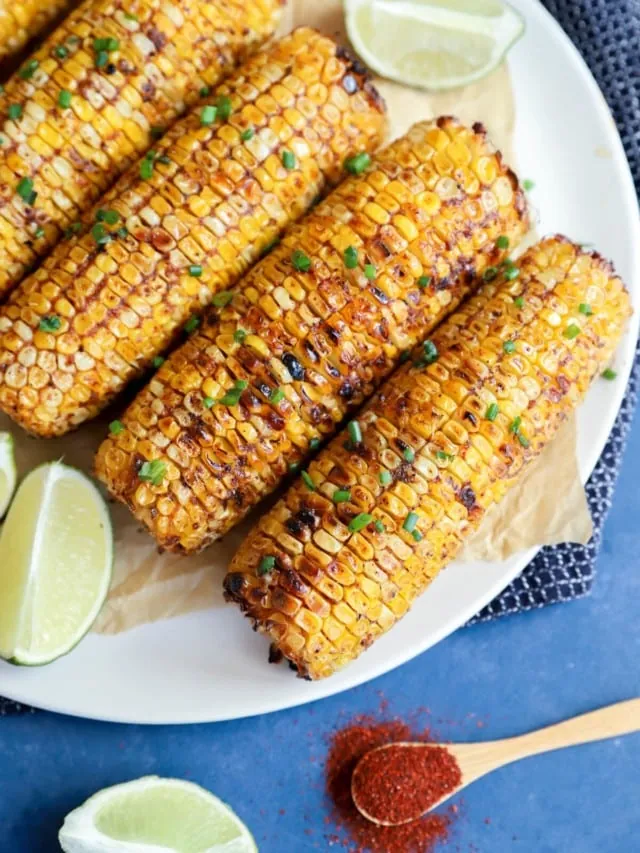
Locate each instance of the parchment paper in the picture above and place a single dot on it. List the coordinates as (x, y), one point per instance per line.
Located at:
(548, 506)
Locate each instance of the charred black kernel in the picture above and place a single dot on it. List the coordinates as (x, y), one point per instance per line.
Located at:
(467, 496)
(332, 334)
(332, 371)
(275, 655)
(471, 418)
(346, 390)
(380, 296)
(294, 526)
(293, 366)
(234, 583)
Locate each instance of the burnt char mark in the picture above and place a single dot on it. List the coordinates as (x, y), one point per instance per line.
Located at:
(290, 581)
(293, 366)
(379, 295)
(275, 655)
(358, 75)
(234, 585)
(310, 351)
(469, 416)
(332, 371)
(479, 128)
(347, 390)
(467, 497)
(148, 91)
(158, 38)
(404, 473)
(304, 518)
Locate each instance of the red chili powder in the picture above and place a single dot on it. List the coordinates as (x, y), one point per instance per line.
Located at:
(399, 783)
(347, 746)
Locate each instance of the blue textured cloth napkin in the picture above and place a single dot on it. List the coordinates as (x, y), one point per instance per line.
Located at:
(607, 33)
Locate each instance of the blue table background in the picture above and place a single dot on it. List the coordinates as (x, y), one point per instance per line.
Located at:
(514, 674)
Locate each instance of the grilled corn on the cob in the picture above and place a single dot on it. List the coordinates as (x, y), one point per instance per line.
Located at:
(180, 229)
(312, 330)
(348, 549)
(89, 101)
(22, 20)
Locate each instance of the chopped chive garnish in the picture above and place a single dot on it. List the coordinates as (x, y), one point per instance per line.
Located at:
(60, 51)
(153, 472)
(502, 242)
(221, 299)
(351, 258)
(609, 373)
(100, 234)
(585, 308)
(108, 44)
(111, 217)
(208, 115)
(157, 132)
(379, 526)
(158, 361)
(355, 433)
(442, 456)
(74, 228)
(492, 412)
(39, 233)
(410, 522)
(64, 99)
(205, 91)
(314, 444)
(25, 190)
(404, 356)
(239, 336)
(515, 425)
(288, 159)
(130, 16)
(122, 232)
(192, 324)
(385, 478)
(490, 273)
(50, 323)
(14, 111)
(370, 271)
(300, 261)
(208, 402)
(294, 467)
(341, 496)
(511, 273)
(306, 479)
(524, 441)
(429, 355)
(572, 331)
(266, 565)
(424, 281)
(195, 271)
(276, 396)
(528, 184)
(247, 134)
(417, 535)
(166, 161)
(509, 346)
(27, 71)
(232, 397)
(224, 106)
(408, 454)
(146, 169)
(357, 164)
(360, 522)
(116, 427)
(519, 301)
(102, 58)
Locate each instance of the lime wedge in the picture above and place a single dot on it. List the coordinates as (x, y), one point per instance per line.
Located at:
(154, 815)
(56, 554)
(8, 474)
(433, 44)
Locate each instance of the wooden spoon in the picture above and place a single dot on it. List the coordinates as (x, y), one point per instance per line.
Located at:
(477, 759)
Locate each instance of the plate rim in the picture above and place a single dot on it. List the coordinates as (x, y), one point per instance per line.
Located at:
(587, 465)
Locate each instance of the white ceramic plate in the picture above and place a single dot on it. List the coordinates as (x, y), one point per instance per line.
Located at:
(210, 666)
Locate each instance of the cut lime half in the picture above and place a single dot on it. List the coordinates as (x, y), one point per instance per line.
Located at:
(433, 44)
(154, 815)
(8, 474)
(56, 555)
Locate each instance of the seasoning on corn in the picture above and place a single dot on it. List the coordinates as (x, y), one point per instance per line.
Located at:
(80, 111)
(338, 588)
(23, 20)
(193, 228)
(321, 332)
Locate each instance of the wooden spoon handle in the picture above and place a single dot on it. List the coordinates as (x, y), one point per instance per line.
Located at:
(619, 719)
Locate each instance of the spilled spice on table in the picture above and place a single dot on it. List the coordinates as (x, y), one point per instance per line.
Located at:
(356, 834)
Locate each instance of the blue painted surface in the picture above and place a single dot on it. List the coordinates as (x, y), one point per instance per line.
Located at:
(512, 675)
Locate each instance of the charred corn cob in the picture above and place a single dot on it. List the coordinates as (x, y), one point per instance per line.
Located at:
(90, 100)
(180, 229)
(388, 503)
(312, 330)
(22, 20)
